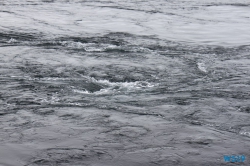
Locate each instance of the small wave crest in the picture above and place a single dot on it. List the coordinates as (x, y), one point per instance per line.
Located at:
(201, 66)
(12, 40)
(114, 87)
(101, 47)
(89, 47)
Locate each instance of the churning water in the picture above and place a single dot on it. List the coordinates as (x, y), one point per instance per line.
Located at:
(124, 82)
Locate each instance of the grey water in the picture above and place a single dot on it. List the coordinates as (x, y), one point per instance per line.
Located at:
(124, 82)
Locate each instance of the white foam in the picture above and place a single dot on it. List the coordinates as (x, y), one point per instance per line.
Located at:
(89, 47)
(81, 91)
(104, 91)
(201, 66)
(245, 133)
(12, 40)
(128, 85)
(116, 87)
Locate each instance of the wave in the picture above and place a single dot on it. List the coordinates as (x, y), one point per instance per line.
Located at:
(201, 66)
(115, 87)
(89, 85)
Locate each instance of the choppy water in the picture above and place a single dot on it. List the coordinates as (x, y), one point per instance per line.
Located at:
(108, 83)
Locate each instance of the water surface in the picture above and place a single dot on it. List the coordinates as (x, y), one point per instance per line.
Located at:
(124, 82)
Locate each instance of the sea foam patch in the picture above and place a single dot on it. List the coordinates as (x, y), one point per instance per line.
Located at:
(202, 67)
(114, 87)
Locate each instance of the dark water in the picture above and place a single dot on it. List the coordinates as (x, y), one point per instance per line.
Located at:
(124, 83)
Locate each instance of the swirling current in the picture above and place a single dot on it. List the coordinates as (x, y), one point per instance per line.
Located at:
(124, 83)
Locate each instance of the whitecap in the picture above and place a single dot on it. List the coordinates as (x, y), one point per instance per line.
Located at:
(115, 87)
(245, 133)
(81, 91)
(201, 66)
(128, 85)
(12, 40)
(89, 47)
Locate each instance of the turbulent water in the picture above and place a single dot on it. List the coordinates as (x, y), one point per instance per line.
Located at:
(124, 82)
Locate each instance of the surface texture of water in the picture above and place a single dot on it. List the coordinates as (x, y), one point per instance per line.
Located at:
(115, 83)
